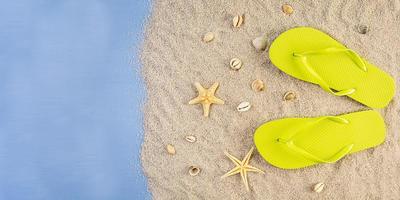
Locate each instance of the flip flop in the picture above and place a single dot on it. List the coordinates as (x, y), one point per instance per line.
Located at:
(293, 143)
(313, 56)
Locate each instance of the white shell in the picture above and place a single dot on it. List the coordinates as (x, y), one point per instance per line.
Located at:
(190, 138)
(244, 106)
(235, 63)
(318, 187)
(260, 43)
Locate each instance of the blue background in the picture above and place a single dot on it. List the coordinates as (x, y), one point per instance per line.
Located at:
(70, 98)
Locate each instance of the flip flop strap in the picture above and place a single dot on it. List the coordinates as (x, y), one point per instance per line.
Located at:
(356, 58)
(288, 141)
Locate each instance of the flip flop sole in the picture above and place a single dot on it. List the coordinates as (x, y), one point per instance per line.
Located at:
(374, 88)
(365, 129)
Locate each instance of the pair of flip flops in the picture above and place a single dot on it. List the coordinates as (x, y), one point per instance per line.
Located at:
(313, 56)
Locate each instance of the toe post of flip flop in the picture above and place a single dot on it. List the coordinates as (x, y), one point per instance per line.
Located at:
(313, 56)
(293, 143)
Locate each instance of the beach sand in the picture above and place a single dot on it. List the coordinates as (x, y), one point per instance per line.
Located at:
(174, 57)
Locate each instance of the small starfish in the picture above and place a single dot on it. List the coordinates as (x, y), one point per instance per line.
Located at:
(242, 167)
(206, 97)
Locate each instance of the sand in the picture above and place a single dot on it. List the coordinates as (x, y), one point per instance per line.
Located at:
(174, 57)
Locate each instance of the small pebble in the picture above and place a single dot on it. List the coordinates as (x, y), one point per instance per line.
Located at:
(193, 170)
(318, 187)
(287, 9)
(171, 149)
(208, 37)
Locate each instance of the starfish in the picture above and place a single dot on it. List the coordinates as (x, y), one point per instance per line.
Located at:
(242, 167)
(206, 97)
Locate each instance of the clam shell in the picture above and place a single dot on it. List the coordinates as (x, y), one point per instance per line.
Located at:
(244, 106)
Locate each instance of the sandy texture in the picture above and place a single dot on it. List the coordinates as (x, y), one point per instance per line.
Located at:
(174, 57)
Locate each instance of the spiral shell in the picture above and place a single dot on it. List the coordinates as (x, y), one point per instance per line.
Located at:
(362, 29)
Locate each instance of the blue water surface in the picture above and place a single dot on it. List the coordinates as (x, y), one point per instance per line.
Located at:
(70, 97)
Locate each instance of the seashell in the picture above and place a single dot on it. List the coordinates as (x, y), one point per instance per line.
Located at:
(288, 96)
(318, 187)
(260, 43)
(193, 170)
(171, 149)
(235, 63)
(287, 9)
(257, 85)
(208, 37)
(237, 21)
(362, 29)
(190, 138)
(244, 106)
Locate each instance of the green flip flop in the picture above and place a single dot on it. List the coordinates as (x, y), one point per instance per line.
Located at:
(293, 143)
(313, 56)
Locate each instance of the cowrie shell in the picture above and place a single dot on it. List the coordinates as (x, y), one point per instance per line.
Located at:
(190, 138)
(244, 106)
(235, 63)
